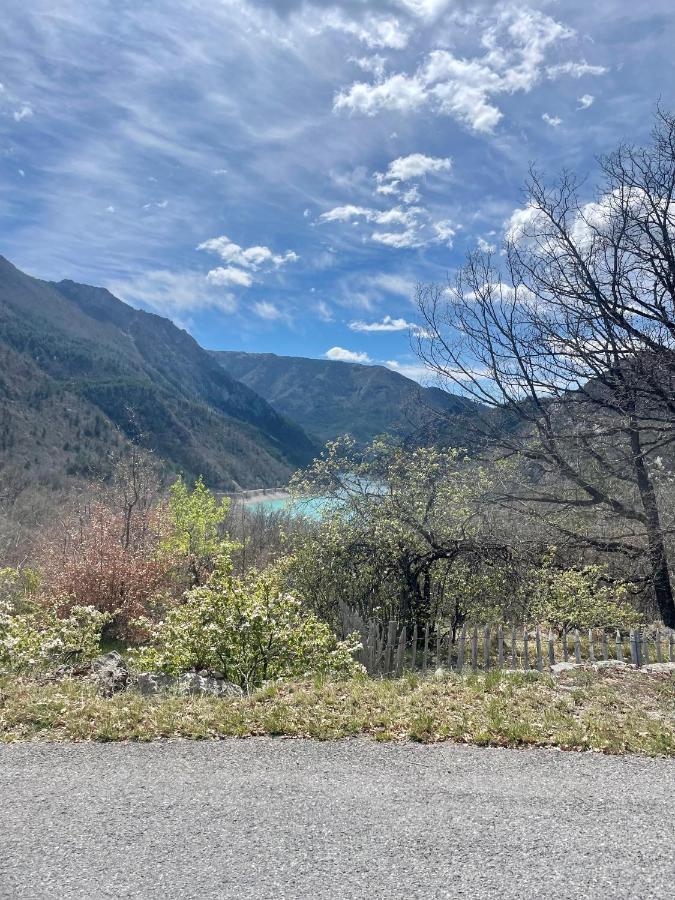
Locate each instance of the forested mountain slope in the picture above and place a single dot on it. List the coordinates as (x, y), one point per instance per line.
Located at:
(80, 370)
(329, 398)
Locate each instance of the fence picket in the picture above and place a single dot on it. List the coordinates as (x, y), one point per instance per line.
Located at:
(389, 649)
(500, 647)
(577, 646)
(591, 648)
(486, 647)
(413, 657)
(513, 646)
(537, 640)
(551, 649)
(564, 643)
(618, 646)
(605, 644)
(671, 651)
(526, 651)
(474, 648)
(400, 652)
(659, 652)
(634, 658)
(645, 646)
(461, 650)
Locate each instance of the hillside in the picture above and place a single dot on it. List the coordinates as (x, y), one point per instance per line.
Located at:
(329, 398)
(77, 365)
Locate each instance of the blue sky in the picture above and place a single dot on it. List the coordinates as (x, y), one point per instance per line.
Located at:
(277, 175)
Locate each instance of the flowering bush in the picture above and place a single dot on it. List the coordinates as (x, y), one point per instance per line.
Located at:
(579, 598)
(249, 629)
(41, 639)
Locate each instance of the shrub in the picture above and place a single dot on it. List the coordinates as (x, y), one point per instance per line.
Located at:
(249, 629)
(42, 639)
(579, 598)
(16, 587)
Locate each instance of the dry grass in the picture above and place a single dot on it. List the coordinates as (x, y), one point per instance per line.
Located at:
(609, 711)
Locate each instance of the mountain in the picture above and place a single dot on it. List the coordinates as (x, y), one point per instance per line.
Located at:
(329, 398)
(81, 371)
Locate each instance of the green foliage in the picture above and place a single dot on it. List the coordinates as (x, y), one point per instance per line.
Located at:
(41, 639)
(193, 530)
(249, 629)
(16, 587)
(579, 598)
(403, 533)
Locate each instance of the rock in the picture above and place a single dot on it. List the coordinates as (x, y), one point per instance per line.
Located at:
(190, 683)
(612, 664)
(662, 668)
(110, 673)
(559, 668)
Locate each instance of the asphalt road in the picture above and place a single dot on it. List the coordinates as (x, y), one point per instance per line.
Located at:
(270, 818)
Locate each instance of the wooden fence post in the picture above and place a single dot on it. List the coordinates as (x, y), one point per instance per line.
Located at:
(564, 643)
(551, 649)
(671, 650)
(513, 646)
(389, 648)
(439, 645)
(577, 646)
(605, 644)
(537, 639)
(591, 648)
(461, 650)
(618, 642)
(645, 647)
(413, 658)
(526, 649)
(425, 653)
(474, 648)
(500, 647)
(400, 653)
(486, 647)
(634, 658)
(659, 652)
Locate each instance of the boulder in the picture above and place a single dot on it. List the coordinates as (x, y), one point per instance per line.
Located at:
(559, 668)
(188, 684)
(110, 673)
(612, 664)
(662, 668)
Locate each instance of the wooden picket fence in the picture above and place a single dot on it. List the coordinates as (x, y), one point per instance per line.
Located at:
(390, 649)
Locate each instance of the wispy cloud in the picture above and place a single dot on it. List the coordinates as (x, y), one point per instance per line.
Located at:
(342, 355)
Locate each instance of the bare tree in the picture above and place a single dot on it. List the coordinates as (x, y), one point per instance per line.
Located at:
(568, 339)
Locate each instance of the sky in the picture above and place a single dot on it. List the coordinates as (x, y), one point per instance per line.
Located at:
(279, 175)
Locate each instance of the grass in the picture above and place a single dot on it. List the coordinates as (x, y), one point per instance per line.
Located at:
(609, 711)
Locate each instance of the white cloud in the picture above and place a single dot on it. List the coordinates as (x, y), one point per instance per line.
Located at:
(575, 69)
(373, 31)
(412, 195)
(250, 258)
(172, 293)
(515, 47)
(485, 246)
(416, 165)
(346, 213)
(220, 171)
(398, 240)
(374, 64)
(323, 311)
(342, 355)
(553, 121)
(410, 370)
(25, 112)
(267, 310)
(387, 324)
(585, 101)
(445, 231)
(519, 222)
(229, 275)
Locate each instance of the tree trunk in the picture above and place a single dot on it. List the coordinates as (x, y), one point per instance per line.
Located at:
(656, 548)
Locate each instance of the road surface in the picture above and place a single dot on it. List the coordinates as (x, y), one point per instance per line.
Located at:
(272, 818)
